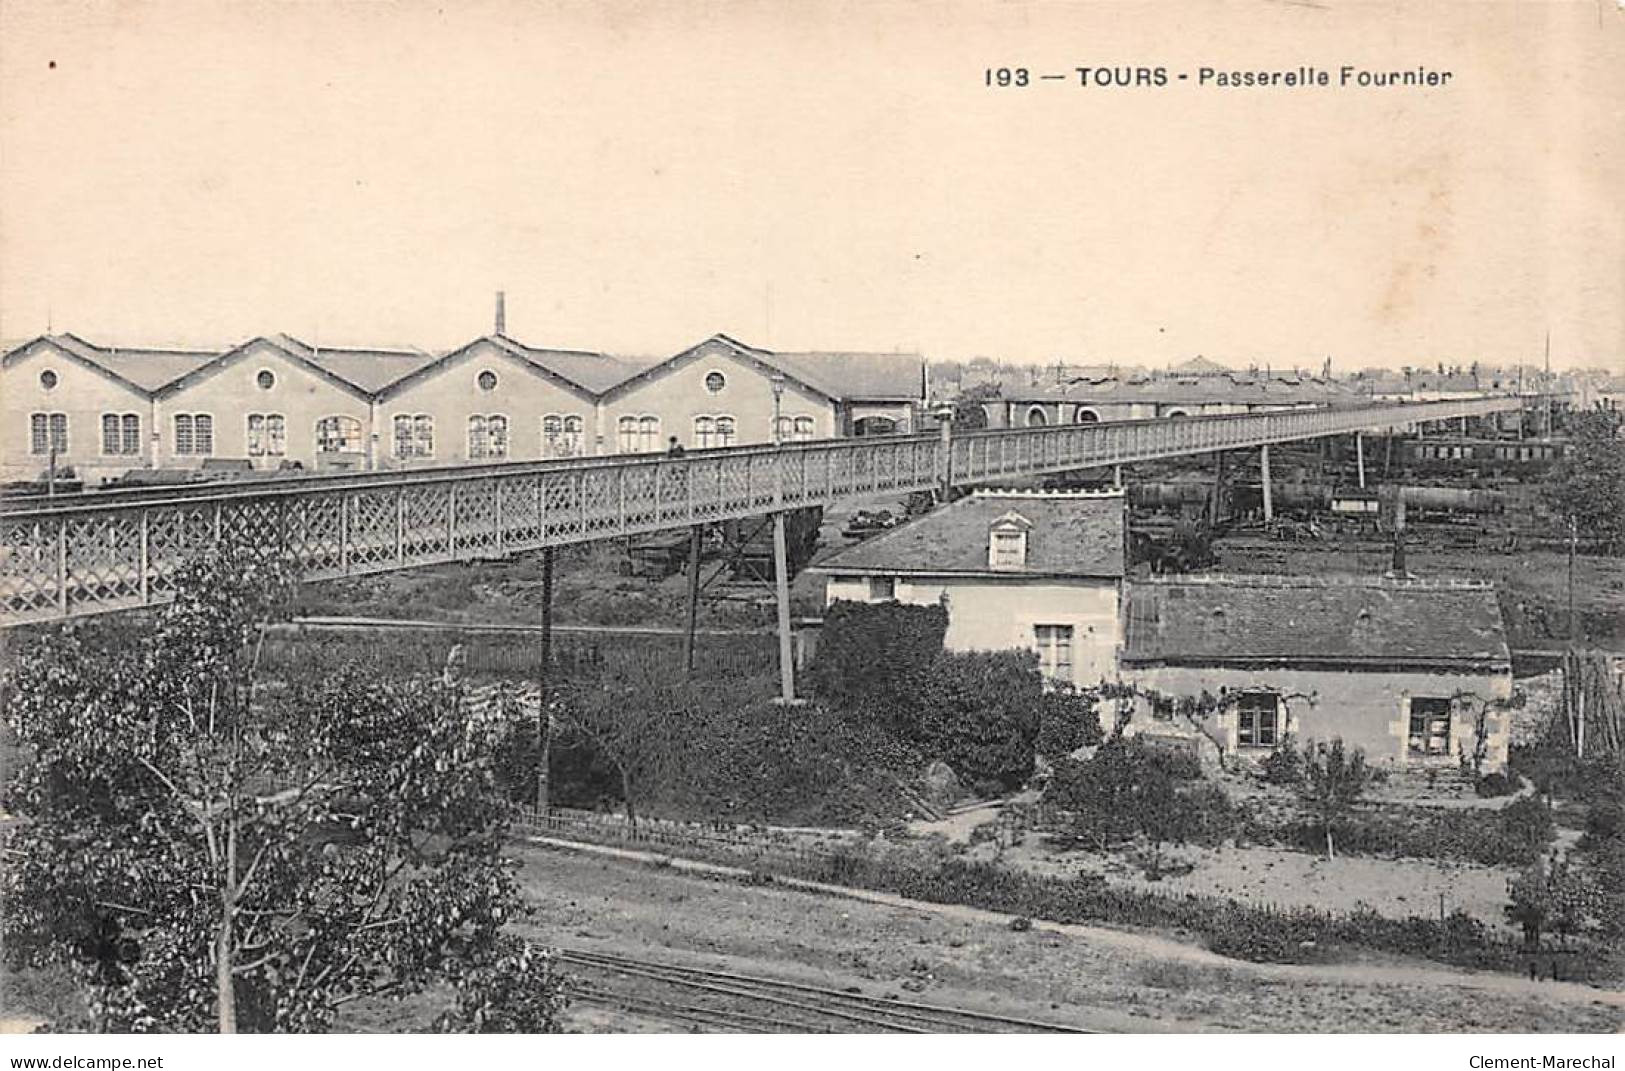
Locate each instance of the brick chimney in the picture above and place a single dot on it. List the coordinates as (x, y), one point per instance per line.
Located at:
(502, 313)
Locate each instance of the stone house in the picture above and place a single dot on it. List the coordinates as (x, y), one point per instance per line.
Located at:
(1415, 673)
(1040, 570)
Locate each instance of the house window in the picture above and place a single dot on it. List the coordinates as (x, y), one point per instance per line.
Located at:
(1054, 651)
(1036, 417)
(487, 380)
(266, 379)
(705, 432)
(1086, 416)
(571, 442)
(648, 434)
(882, 589)
(715, 381)
(267, 435)
(1258, 720)
(783, 429)
(47, 379)
(414, 436)
(487, 437)
(626, 434)
(726, 431)
(194, 434)
(338, 435)
(1007, 548)
(1430, 726)
(803, 429)
(121, 434)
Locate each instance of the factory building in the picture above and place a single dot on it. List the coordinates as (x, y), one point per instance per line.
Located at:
(279, 403)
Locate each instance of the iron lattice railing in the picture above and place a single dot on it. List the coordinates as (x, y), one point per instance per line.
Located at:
(104, 551)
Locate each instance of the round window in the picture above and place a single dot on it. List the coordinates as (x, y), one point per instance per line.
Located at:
(714, 382)
(47, 379)
(266, 379)
(487, 380)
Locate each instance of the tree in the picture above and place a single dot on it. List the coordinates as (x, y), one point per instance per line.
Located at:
(1334, 779)
(208, 850)
(1130, 789)
(1587, 487)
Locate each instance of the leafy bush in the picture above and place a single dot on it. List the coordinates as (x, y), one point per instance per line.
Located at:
(1067, 720)
(1130, 789)
(1514, 835)
(1495, 784)
(980, 710)
(1284, 766)
(874, 656)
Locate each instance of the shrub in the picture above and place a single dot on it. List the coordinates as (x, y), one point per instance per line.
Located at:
(1495, 784)
(875, 656)
(1284, 766)
(1130, 789)
(1067, 720)
(980, 711)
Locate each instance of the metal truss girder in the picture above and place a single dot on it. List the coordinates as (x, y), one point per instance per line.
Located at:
(105, 551)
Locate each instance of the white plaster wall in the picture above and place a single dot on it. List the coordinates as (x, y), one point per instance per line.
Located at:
(83, 394)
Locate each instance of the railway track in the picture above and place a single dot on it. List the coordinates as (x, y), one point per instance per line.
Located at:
(726, 1000)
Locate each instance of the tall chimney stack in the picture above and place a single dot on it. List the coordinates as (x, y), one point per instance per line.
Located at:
(502, 313)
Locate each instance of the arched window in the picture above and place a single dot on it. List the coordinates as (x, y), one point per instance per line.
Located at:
(784, 431)
(803, 429)
(1036, 417)
(648, 434)
(1176, 414)
(726, 431)
(705, 431)
(48, 433)
(414, 436)
(487, 437)
(267, 435)
(570, 444)
(121, 434)
(338, 435)
(1085, 416)
(194, 434)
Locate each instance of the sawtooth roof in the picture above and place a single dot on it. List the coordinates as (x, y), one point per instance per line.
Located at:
(1216, 620)
(1072, 533)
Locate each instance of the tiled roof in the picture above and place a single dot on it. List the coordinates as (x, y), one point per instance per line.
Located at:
(1265, 619)
(371, 370)
(1235, 388)
(1073, 534)
(1199, 366)
(594, 372)
(853, 376)
(144, 368)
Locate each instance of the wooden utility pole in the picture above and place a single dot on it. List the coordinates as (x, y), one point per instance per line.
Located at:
(544, 713)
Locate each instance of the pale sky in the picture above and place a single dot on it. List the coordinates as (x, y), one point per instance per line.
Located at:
(638, 176)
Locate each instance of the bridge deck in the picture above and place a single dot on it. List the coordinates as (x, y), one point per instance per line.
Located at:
(104, 551)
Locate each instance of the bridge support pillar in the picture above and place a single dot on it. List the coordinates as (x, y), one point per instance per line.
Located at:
(544, 713)
(1117, 477)
(694, 536)
(1264, 474)
(781, 591)
(1359, 457)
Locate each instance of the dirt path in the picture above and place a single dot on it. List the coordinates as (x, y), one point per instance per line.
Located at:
(1090, 976)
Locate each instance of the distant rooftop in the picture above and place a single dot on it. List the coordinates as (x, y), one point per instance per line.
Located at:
(1251, 620)
(1072, 533)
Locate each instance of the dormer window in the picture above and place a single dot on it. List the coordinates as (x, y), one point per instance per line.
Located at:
(1007, 542)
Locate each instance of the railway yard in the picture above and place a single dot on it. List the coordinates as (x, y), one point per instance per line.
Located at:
(658, 945)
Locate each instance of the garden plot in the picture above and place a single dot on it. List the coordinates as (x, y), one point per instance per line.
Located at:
(1277, 877)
